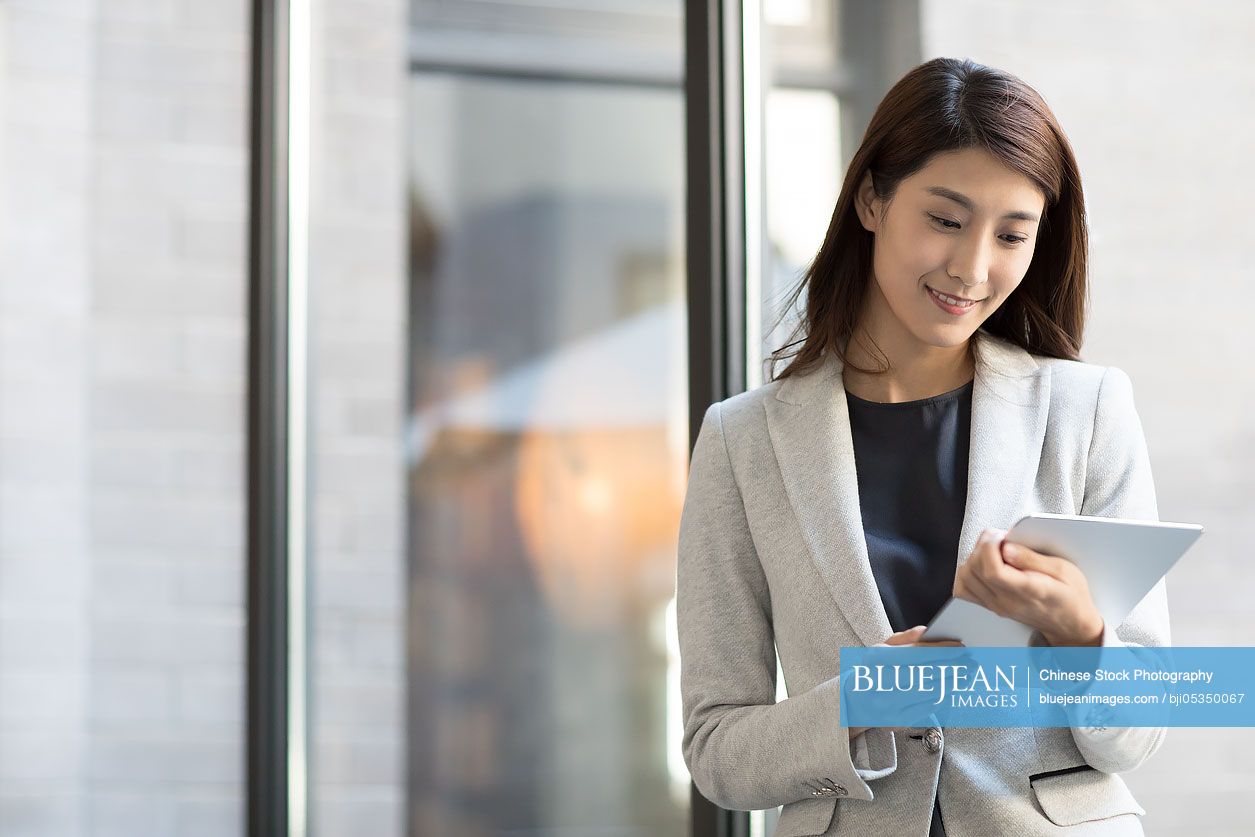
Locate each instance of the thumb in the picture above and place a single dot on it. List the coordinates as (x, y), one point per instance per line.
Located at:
(1018, 556)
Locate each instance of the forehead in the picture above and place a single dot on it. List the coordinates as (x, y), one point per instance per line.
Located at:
(993, 186)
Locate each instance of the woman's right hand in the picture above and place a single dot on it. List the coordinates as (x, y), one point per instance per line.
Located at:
(909, 637)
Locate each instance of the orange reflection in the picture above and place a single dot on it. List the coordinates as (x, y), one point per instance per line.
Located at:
(599, 511)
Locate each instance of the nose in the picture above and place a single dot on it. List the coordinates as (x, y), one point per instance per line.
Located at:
(969, 263)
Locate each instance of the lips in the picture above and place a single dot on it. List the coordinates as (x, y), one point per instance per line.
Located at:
(947, 298)
(949, 308)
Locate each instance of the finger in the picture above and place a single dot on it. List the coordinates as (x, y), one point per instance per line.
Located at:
(907, 636)
(984, 595)
(1023, 558)
(991, 569)
(983, 555)
(1008, 581)
(984, 551)
(965, 580)
(988, 536)
(992, 564)
(1000, 587)
(963, 575)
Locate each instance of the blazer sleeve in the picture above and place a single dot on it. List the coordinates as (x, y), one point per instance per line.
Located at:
(1118, 483)
(744, 750)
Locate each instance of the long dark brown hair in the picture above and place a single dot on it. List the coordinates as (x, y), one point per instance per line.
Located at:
(947, 105)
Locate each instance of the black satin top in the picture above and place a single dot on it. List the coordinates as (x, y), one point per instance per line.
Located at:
(912, 485)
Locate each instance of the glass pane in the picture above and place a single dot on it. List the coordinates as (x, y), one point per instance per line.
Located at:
(357, 345)
(803, 179)
(802, 155)
(548, 449)
(800, 38)
(123, 227)
(499, 413)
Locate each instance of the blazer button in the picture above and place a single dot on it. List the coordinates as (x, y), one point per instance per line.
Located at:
(932, 739)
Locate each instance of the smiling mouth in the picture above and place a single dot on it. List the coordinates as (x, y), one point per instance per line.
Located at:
(952, 300)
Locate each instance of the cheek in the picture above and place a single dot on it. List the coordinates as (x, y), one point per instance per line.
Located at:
(1014, 269)
(907, 257)
(1004, 277)
(1007, 278)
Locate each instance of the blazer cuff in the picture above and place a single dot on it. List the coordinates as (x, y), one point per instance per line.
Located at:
(874, 753)
(1114, 749)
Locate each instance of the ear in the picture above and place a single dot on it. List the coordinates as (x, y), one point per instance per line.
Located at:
(867, 205)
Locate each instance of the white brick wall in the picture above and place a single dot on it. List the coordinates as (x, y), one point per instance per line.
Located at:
(358, 301)
(123, 198)
(1153, 97)
(44, 536)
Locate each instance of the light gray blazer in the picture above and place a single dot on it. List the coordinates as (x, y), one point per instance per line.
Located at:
(772, 560)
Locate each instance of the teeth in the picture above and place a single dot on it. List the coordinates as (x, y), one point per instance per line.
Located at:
(952, 300)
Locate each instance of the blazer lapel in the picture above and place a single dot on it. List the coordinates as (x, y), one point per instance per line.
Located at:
(809, 424)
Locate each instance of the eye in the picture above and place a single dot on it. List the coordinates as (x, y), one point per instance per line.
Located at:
(946, 223)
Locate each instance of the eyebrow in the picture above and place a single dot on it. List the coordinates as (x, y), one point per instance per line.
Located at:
(970, 206)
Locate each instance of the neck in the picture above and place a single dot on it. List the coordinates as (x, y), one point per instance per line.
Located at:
(916, 369)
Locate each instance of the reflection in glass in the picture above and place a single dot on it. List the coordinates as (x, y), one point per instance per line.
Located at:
(803, 180)
(547, 447)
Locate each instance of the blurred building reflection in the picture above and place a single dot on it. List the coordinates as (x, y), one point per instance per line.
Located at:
(548, 453)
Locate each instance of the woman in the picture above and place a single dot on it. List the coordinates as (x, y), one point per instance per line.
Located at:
(936, 396)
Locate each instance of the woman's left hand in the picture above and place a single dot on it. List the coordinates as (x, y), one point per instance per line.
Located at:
(1043, 591)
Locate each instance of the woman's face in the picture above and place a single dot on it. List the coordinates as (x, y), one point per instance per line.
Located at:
(965, 225)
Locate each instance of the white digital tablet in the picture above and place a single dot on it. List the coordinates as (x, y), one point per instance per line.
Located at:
(1122, 560)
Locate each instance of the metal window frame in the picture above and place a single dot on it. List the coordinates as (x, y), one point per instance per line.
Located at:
(276, 687)
(714, 207)
(266, 686)
(715, 251)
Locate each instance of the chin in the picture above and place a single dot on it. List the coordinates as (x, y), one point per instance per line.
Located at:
(947, 338)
